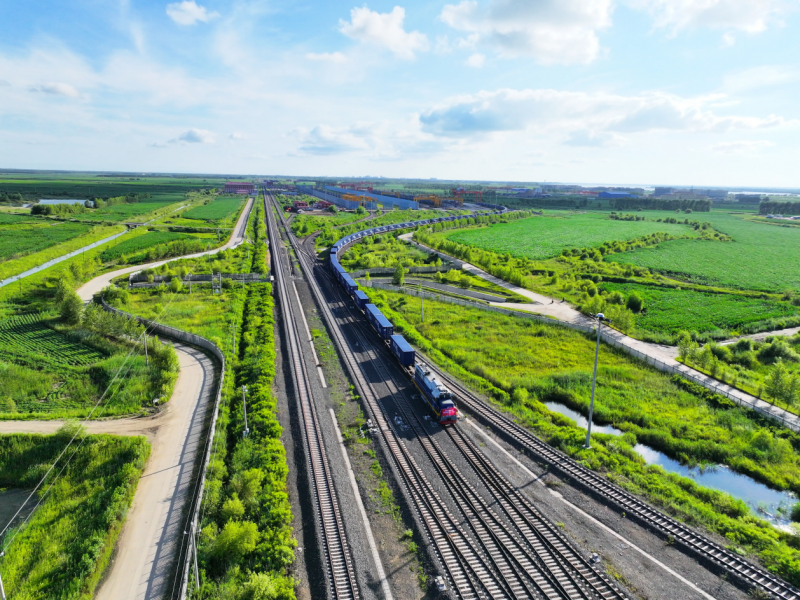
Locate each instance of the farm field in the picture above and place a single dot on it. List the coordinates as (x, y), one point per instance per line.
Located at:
(760, 257)
(221, 211)
(49, 373)
(669, 311)
(20, 240)
(136, 245)
(303, 225)
(502, 355)
(133, 211)
(545, 237)
(65, 548)
(329, 235)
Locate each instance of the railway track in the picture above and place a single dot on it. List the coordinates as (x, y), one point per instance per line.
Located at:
(707, 550)
(340, 570)
(521, 553)
(528, 552)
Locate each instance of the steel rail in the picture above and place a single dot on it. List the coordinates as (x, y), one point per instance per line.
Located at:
(340, 570)
(460, 562)
(701, 546)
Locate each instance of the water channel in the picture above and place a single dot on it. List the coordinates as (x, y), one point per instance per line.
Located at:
(764, 502)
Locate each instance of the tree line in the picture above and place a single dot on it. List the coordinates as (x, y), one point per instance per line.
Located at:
(773, 207)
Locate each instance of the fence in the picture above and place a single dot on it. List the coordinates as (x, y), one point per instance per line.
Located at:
(390, 270)
(213, 349)
(139, 277)
(727, 391)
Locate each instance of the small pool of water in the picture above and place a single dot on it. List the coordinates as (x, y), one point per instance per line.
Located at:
(763, 501)
(580, 419)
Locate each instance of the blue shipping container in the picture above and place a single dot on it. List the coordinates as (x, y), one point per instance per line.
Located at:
(403, 351)
(348, 283)
(380, 323)
(361, 299)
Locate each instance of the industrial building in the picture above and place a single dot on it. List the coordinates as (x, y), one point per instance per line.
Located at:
(236, 187)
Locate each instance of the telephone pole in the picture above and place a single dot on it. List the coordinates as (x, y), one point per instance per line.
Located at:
(246, 431)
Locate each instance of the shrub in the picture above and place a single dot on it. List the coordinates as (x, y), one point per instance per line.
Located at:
(635, 303)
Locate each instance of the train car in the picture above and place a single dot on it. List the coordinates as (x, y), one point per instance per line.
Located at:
(348, 283)
(403, 350)
(436, 394)
(380, 323)
(361, 299)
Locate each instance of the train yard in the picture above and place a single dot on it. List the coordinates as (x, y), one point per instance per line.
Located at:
(487, 539)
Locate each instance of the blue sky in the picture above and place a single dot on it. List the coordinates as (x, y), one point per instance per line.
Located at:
(692, 92)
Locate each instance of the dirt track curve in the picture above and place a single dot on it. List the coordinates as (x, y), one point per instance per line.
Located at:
(149, 546)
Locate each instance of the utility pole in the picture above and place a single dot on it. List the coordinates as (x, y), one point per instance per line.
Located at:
(422, 304)
(233, 336)
(600, 318)
(146, 357)
(193, 543)
(246, 431)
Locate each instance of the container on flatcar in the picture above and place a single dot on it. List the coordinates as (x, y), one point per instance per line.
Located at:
(403, 351)
(380, 323)
(361, 299)
(436, 394)
(348, 283)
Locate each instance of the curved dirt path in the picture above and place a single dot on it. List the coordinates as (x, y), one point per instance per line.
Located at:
(89, 289)
(660, 356)
(149, 547)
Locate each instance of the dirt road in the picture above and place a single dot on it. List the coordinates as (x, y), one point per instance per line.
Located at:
(89, 289)
(150, 545)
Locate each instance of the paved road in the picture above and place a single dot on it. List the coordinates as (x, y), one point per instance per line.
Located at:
(666, 355)
(87, 290)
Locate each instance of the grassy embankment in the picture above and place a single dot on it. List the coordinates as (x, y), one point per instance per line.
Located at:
(521, 363)
(592, 276)
(66, 546)
(246, 543)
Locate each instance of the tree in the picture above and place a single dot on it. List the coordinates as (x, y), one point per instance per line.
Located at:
(775, 384)
(685, 345)
(176, 285)
(399, 276)
(71, 308)
(635, 302)
(232, 509)
(248, 485)
(235, 540)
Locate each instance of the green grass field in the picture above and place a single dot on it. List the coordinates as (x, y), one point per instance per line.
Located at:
(133, 211)
(545, 237)
(761, 257)
(670, 311)
(220, 210)
(66, 546)
(138, 244)
(20, 240)
(384, 251)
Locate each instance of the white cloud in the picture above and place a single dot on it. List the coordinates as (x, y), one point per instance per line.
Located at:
(750, 16)
(194, 136)
(56, 89)
(550, 31)
(728, 39)
(741, 146)
(189, 13)
(381, 140)
(4, 83)
(759, 77)
(334, 57)
(384, 29)
(236, 136)
(476, 60)
(583, 117)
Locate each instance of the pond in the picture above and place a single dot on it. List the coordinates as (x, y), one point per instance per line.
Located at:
(764, 502)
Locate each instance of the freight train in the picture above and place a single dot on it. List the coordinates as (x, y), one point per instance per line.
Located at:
(433, 391)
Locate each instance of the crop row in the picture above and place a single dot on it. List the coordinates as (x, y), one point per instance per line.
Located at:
(38, 339)
(20, 240)
(17, 320)
(142, 242)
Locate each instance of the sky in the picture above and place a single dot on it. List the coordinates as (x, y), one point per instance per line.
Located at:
(683, 92)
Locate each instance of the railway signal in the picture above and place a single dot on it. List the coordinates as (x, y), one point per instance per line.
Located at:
(600, 318)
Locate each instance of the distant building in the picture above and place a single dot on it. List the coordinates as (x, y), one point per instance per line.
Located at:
(614, 195)
(235, 187)
(714, 194)
(663, 191)
(70, 201)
